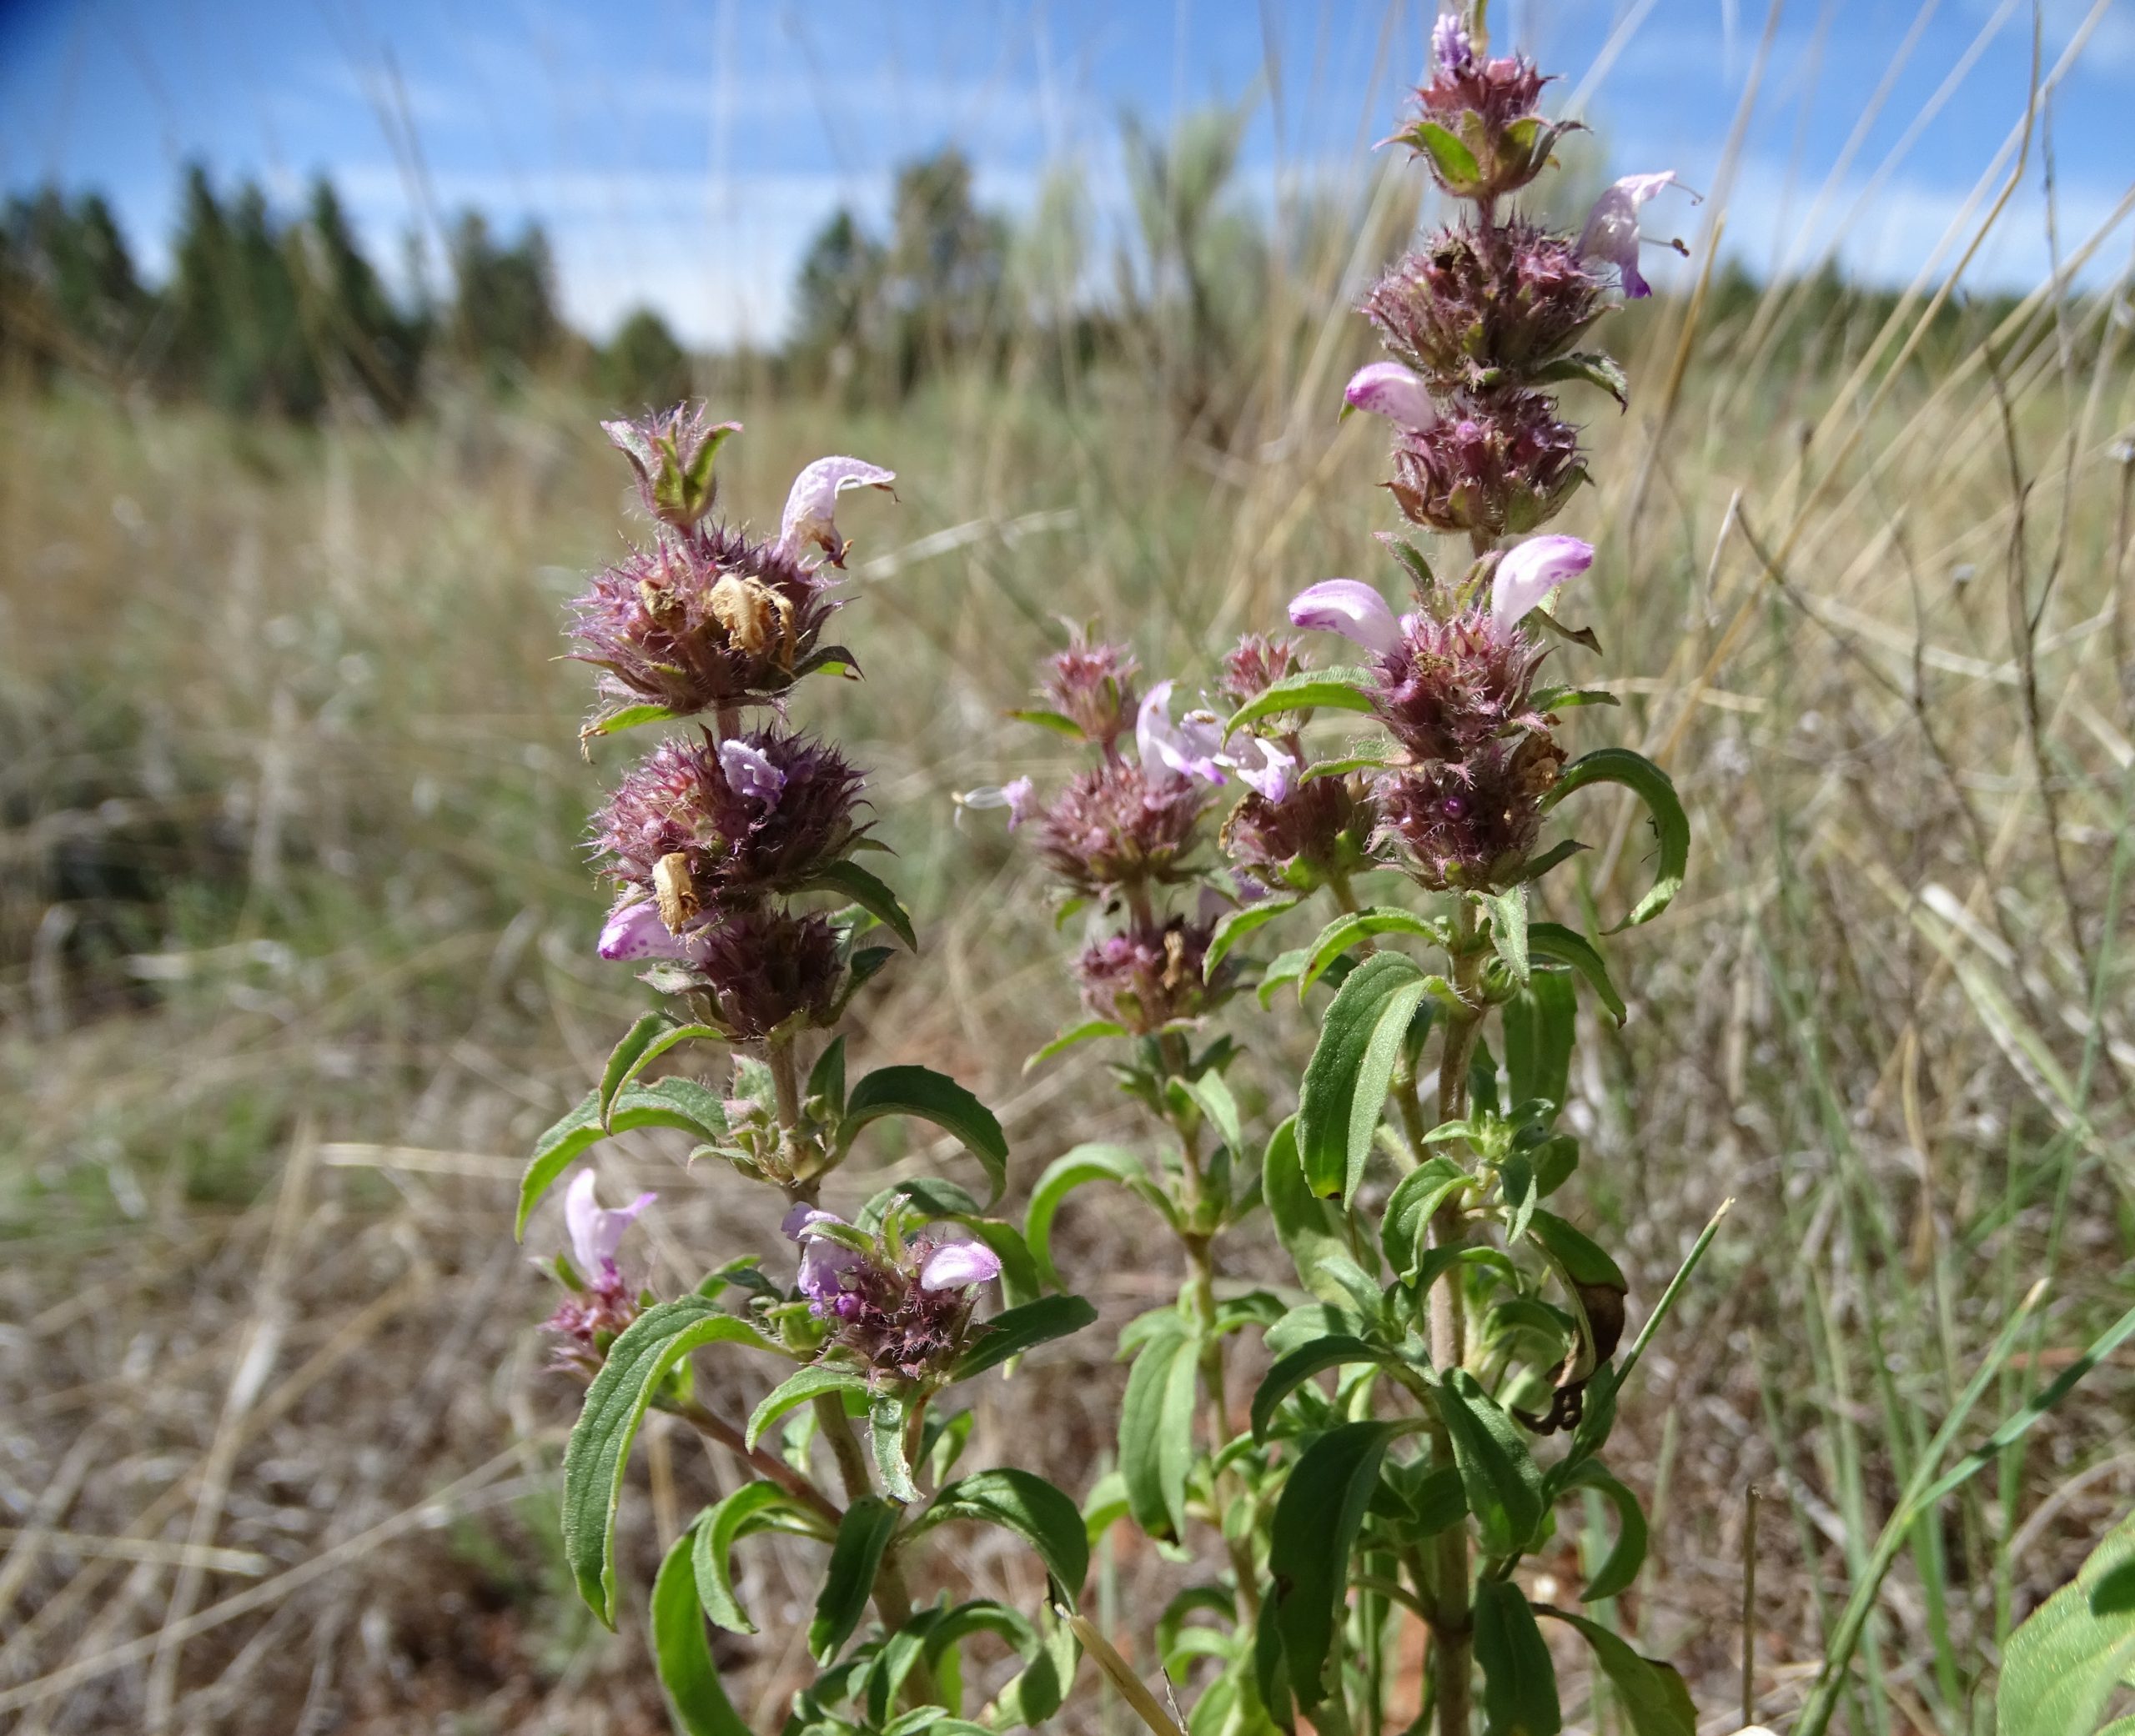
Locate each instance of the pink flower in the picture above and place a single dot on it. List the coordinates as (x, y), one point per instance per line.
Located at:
(1451, 47)
(958, 1265)
(1530, 571)
(1350, 608)
(596, 1233)
(1388, 389)
(1171, 751)
(635, 931)
(810, 508)
(1262, 768)
(824, 1263)
(1611, 232)
(1016, 796)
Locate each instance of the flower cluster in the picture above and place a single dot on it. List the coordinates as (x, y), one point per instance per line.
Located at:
(702, 834)
(904, 1313)
(597, 1303)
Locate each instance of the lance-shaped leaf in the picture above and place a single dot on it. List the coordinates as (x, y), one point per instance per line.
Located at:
(754, 1506)
(2062, 1666)
(1567, 947)
(1354, 927)
(1312, 689)
(1236, 924)
(1156, 1431)
(1088, 1031)
(849, 1580)
(1294, 1369)
(1652, 1695)
(1062, 1176)
(679, 1103)
(626, 717)
(930, 1096)
(1507, 917)
(1346, 1080)
(682, 1651)
(826, 1078)
(1308, 1228)
(598, 1452)
(1013, 1330)
(798, 1389)
(1041, 1515)
(852, 882)
(1404, 1228)
(1455, 163)
(1315, 1527)
(1539, 1023)
(1652, 785)
(1593, 367)
(1623, 1562)
(886, 1424)
(1504, 1484)
(1520, 1681)
(645, 1041)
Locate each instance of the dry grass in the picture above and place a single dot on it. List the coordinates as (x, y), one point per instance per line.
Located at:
(295, 945)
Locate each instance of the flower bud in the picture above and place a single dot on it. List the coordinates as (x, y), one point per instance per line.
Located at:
(600, 1304)
(672, 454)
(1114, 826)
(1506, 464)
(1092, 686)
(1475, 122)
(1255, 664)
(1470, 824)
(760, 968)
(1316, 827)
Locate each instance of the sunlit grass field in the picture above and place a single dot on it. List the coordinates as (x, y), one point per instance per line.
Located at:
(296, 960)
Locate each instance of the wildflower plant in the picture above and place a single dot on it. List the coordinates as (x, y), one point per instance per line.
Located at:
(733, 854)
(1473, 1331)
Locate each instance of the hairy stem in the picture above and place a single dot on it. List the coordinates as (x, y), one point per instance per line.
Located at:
(763, 1464)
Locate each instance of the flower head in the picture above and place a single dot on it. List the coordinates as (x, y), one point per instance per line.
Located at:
(1453, 685)
(1476, 308)
(1115, 825)
(1470, 823)
(1318, 825)
(1350, 607)
(811, 505)
(1255, 664)
(1477, 100)
(1148, 978)
(697, 622)
(1611, 232)
(906, 1319)
(1171, 752)
(1506, 464)
(1528, 572)
(760, 968)
(1092, 684)
(672, 454)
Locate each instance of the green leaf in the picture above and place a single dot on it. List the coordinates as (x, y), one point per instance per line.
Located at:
(1216, 1102)
(1552, 939)
(856, 885)
(2061, 1668)
(1348, 930)
(1504, 1485)
(1062, 1176)
(849, 1580)
(1331, 689)
(1508, 914)
(1038, 1690)
(826, 1078)
(1584, 1260)
(1650, 1693)
(624, 1059)
(931, 1097)
(1520, 1681)
(1411, 558)
(1308, 1228)
(1541, 1023)
(1621, 1566)
(1652, 785)
(1593, 367)
(750, 1508)
(1284, 967)
(598, 1452)
(681, 1103)
(1072, 1034)
(681, 1651)
(797, 1389)
(1057, 721)
(1454, 161)
(1036, 1511)
(627, 717)
(1014, 1331)
(1156, 1431)
(1291, 1371)
(885, 1419)
(1346, 1080)
(1565, 698)
(1404, 1229)
(1315, 1528)
(1238, 924)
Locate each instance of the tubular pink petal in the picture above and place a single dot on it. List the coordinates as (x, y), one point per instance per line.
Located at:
(750, 771)
(1611, 232)
(1388, 389)
(958, 1265)
(596, 1233)
(1171, 751)
(810, 509)
(1350, 607)
(1264, 769)
(635, 931)
(1530, 571)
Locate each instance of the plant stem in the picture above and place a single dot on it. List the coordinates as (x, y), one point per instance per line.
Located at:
(786, 1083)
(763, 1464)
(1454, 1632)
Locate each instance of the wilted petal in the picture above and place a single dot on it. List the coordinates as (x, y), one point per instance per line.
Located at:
(956, 1265)
(596, 1232)
(811, 506)
(1350, 608)
(1388, 389)
(1170, 752)
(1612, 231)
(1263, 768)
(1529, 572)
(750, 771)
(635, 931)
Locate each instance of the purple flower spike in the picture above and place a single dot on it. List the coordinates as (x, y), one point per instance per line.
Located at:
(958, 1265)
(811, 506)
(1388, 389)
(1529, 572)
(635, 931)
(1350, 608)
(1611, 232)
(750, 771)
(1171, 751)
(596, 1233)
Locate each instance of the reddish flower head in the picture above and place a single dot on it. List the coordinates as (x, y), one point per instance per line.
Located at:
(760, 968)
(1471, 823)
(1255, 664)
(1113, 826)
(1146, 979)
(1476, 308)
(1504, 464)
(1092, 686)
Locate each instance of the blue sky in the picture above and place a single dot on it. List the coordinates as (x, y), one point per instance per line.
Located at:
(681, 154)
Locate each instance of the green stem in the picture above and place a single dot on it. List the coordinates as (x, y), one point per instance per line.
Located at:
(763, 1464)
